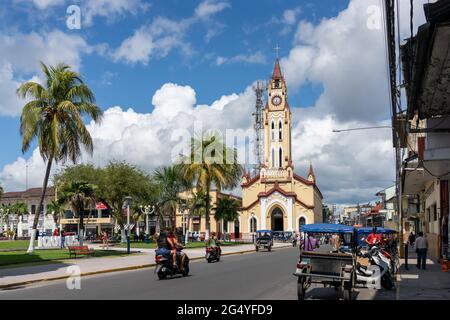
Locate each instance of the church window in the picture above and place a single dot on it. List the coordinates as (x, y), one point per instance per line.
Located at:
(277, 84)
(280, 160)
(301, 222)
(253, 224)
(273, 131)
(280, 131)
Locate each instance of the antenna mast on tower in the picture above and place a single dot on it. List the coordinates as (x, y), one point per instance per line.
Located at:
(258, 125)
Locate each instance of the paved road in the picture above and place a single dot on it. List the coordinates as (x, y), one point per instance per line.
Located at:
(261, 275)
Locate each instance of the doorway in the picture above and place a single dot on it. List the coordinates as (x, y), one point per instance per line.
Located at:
(277, 220)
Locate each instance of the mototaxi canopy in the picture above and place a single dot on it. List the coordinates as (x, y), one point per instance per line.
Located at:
(326, 228)
(368, 230)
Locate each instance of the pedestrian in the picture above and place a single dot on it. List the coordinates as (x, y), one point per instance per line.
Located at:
(63, 239)
(105, 240)
(412, 238)
(421, 245)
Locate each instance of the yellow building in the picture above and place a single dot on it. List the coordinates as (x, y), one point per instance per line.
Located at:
(277, 198)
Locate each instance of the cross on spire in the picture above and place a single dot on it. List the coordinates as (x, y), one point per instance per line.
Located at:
(277, 49)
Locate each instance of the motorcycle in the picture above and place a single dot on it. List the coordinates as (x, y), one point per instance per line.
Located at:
(164, 266)
(377, 274)
(213, 254)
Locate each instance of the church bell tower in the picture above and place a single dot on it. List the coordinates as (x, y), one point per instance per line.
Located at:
(277, 124)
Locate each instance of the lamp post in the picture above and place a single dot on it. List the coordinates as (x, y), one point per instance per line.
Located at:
(127, 204)
(147, 210)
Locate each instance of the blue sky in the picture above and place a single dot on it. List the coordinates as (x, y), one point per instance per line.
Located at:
(246, 27)
(145, 55)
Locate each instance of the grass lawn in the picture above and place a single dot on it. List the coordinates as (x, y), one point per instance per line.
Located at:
(15, 244)
(55, 255)
(190, 245)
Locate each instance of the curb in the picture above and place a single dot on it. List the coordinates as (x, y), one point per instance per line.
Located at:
(18, 284)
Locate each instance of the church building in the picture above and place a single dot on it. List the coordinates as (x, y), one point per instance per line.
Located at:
(277, 198)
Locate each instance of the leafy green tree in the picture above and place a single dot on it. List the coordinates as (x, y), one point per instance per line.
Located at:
(226, 210)
(79, 195)
(170, 184)
(1, 192)
(120, 180)
(211, 163)
(54, 117)
(79, 172)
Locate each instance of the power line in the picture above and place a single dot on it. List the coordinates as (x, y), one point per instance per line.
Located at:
(365, 128)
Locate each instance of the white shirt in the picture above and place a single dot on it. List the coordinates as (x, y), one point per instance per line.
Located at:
(421, 243)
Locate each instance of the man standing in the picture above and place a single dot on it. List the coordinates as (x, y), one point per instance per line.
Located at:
(421, 250)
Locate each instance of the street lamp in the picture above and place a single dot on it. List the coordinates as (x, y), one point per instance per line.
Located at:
(147, 210)
(127, 204)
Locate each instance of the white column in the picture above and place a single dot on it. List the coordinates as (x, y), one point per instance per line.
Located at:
(262, 204)
(290, 213)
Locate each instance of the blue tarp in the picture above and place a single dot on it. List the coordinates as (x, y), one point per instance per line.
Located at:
(326, 228)
(368, 230)
(264, 231)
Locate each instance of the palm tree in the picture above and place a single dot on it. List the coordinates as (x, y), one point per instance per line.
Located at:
(79, 195)
(210, 164)
(171, 183)
(54, 117)
(226, 210)
(196, 205)
(57, 210)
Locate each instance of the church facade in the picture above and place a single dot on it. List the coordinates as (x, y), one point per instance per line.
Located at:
(277, 198)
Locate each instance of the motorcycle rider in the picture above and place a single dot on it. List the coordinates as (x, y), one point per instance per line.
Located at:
(162, 244)
(213, 243)
(374, 238)
(175, 249)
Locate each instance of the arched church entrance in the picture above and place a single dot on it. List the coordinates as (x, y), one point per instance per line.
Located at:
(277, 221)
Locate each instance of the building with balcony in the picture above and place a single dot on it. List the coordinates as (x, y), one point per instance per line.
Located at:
(425, 129)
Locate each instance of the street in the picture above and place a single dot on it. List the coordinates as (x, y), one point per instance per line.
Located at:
(254, 276)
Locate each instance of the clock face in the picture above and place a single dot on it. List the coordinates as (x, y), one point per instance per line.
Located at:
(276, 100)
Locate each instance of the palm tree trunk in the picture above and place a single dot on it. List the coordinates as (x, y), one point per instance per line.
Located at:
(207, 209)
(41, 204)
(81, 234)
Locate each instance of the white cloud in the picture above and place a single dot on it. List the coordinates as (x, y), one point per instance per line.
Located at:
(23, 51)
(347, 58)
(256, 58)
(208, 8)
(10, 104)
(44, 4)
(111, 9)
(20, 58)
(163, 35)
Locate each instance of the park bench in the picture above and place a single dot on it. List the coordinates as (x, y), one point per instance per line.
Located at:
(79, 250)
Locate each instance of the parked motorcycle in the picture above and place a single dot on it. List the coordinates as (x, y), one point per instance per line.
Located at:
(213, 254)
(377, 274)
(164, 266)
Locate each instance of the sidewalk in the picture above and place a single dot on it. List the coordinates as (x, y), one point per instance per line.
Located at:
(429, 284)
(23, 275)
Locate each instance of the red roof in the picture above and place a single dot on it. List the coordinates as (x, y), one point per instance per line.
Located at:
(277, 71)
